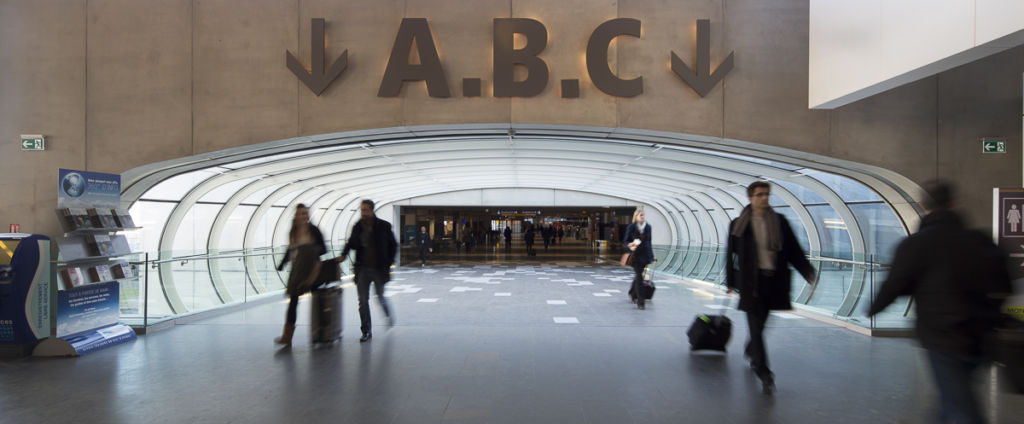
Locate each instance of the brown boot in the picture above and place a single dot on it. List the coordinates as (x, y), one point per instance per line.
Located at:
(286, 335)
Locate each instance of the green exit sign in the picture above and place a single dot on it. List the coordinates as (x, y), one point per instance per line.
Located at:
(993, 145)
(32, 142)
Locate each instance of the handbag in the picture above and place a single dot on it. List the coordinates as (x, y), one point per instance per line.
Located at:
(627, 259)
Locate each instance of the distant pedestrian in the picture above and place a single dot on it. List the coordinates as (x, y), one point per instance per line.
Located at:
(375, 247)
(760, 248)
(508, 238)
(958, 279)
(545, 233)
(638, 241)
(424, 244)
(305, 245)
(561, 234)
(528, 239)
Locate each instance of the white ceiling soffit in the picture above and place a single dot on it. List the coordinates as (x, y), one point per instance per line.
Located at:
(859, 48)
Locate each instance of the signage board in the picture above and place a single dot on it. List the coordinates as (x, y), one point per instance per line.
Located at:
(1008, 231)
(84, 189)
(32, 142)
(993, 145)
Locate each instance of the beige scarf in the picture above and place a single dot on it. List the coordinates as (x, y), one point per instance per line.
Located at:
(774, 227)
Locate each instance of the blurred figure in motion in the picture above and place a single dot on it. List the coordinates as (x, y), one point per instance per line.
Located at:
(958, 280)
(305, 245)
(760, 248)
(375, 247)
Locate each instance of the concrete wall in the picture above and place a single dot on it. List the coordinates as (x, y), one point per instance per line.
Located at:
(116, 84)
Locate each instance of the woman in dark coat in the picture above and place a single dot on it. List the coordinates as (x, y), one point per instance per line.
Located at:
(305, 245)
(638, 241)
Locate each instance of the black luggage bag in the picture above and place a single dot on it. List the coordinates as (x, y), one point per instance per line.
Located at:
(647, 287)
(325, 322)
(710, 332)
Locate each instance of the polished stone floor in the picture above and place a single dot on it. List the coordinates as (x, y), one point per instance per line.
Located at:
(531, 341)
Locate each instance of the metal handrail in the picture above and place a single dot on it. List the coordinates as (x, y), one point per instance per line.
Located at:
(208, 257)
(810, 258)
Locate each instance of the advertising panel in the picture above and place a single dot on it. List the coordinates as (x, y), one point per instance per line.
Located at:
(85, 189)
(87, 308)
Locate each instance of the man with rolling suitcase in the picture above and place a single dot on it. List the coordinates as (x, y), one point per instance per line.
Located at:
(760, 248)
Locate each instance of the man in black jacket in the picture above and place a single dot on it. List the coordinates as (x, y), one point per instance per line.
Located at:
(424, 244)
(760, 248)
(958, 279)
(375, 247)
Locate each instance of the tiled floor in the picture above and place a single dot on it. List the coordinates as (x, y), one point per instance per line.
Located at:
(523, 342)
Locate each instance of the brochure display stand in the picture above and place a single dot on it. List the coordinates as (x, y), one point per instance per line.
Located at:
(92, 265)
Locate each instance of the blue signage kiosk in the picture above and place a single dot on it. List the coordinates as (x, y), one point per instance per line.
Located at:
(24, 292)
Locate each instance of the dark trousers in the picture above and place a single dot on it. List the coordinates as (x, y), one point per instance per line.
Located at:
(423, 255)
(638, 280)
(508, 244)
(757, 317)
(292, 315)
(953, 378)
(363, 279)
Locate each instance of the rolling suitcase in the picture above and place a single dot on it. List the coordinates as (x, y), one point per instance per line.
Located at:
(647, 287)
(710, 332)
(325, 322)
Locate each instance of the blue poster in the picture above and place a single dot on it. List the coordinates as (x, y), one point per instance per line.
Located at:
(84, 189)
(87, 308)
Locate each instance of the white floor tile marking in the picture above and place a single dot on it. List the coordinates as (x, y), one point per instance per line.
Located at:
(581, 283)
(612, 291)
(427, 301)
(461, 289)
(556, 302)
(503, 294)
(717, 307)
(566, 320)
(787, 315)
(393, 289)
(603, 294)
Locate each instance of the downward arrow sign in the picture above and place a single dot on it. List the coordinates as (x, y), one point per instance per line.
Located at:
(702, 81)
(317, 78)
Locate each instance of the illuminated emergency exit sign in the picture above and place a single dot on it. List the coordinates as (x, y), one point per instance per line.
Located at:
(32, 142)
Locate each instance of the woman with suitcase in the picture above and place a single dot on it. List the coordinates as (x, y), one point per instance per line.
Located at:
(305, 245)
(638, 243)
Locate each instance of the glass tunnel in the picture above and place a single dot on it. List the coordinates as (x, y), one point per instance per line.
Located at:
(214, 225)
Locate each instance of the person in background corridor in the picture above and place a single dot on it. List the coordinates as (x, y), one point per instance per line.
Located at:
(508, 238)
(424, 243)
(760, 248)
(305, 245)
(958, 279)
(375, 247)
(528, 238)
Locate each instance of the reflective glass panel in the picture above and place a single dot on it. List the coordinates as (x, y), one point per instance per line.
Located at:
(178, 186)
(835, 237)
(847, 189)
(882, 229)
(794, 222)
(225, 191)
(804, 194)
(151, 216)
